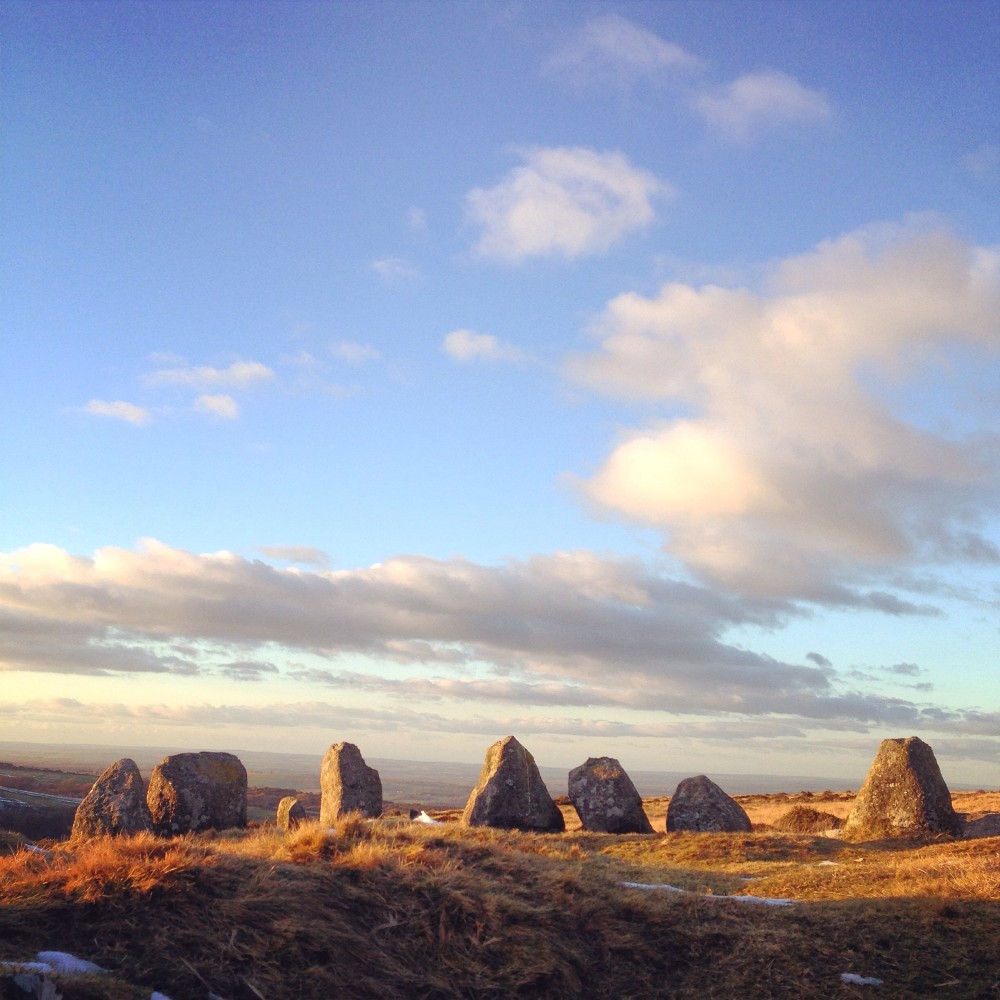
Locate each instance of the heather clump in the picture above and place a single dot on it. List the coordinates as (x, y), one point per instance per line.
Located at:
(803, 819)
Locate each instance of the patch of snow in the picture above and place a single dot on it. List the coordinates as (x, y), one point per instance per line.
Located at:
(422, 817)
(853, 977)
(829, 864)
(61, 961)
(158, 996)
(28, 966)
(34, 849)
(647, 885)
(763, 900)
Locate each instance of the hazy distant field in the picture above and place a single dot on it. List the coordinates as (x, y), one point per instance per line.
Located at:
(432, 784)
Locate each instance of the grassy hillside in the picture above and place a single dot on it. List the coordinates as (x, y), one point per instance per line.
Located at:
(395, 909)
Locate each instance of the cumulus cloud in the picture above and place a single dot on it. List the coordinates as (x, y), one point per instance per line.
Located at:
(119, 410)
(467, 345)
(612, 48)
(760, 101)
(218, 405)
(238, 375)
(568, 202)
(782, 470)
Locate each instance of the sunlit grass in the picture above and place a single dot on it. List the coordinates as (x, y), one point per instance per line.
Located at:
(390, 908)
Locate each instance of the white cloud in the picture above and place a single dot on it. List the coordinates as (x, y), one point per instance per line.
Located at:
(760, 101)
(467, 345)
(786, 473)
(394, 269)
(119, 410)
(610, 47)
(566, 201)
(219, 405)
(239, 375)
(568, 629)
(355, 354)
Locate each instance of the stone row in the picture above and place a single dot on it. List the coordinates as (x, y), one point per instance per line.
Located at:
(904, 795)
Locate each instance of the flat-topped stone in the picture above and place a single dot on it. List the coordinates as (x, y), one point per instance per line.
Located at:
(189, 792)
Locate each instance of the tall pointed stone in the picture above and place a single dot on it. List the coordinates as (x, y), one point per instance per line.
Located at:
(511, 794)
(904, 796)
(115, 805)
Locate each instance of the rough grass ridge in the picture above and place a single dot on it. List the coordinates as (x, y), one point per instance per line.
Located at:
(390, 909)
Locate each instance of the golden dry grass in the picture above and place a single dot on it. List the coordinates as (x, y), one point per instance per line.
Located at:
(390, 909)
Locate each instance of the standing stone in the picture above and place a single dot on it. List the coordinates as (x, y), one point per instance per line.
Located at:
(291, 813)
(115, 805)
(511, 794)
(605, 798)
(701, 806)
(348, 784)
(198, 791)
(903, 796)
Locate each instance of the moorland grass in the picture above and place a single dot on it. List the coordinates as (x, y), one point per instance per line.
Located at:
(393, 909)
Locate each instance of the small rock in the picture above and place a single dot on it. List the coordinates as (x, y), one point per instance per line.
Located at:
(983, 826)
(291, 813)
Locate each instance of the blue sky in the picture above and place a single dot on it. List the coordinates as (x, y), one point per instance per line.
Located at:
(623, 376)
